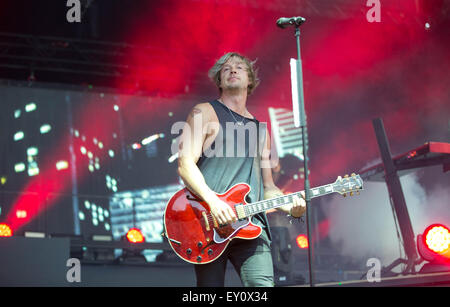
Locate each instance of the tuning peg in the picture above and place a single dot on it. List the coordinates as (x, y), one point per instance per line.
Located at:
(351, 193)
(346, 176)
(345, 194)
(353, 174)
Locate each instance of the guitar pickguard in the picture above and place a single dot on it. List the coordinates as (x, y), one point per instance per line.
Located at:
(224, 233)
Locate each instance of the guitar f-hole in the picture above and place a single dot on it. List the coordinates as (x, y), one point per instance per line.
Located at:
(189, 197)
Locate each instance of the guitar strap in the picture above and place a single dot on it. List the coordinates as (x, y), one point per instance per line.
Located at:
(256, 175)
(256, 168)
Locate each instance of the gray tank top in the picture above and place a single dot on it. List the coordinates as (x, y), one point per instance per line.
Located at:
(234, 157)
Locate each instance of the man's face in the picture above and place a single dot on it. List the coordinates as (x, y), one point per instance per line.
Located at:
(234, 74)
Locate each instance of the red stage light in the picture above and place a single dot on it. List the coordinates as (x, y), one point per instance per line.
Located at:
(434, 246)
(5, 231)
(437, 238)
(136, 146)
(302, 241)
(134, 235)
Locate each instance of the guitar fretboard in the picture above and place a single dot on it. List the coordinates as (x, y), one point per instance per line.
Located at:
(264, 205)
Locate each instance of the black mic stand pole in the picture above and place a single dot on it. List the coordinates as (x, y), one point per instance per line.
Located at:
(302, 117)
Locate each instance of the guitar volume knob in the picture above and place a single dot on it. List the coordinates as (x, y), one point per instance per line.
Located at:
(189, 251)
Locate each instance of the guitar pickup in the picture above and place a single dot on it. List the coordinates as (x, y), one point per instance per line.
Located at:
(240, 211)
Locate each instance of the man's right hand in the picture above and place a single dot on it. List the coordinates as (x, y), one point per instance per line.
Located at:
(221, 211)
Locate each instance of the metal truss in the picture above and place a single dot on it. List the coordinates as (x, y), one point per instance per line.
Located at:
(80, 58)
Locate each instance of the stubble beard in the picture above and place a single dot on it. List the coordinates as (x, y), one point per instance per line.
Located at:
(233, 88)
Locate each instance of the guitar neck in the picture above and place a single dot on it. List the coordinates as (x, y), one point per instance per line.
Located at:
(264, 205)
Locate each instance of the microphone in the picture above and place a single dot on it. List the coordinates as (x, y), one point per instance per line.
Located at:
(283, 22)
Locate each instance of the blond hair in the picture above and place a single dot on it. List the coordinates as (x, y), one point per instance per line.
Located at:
(214, 72)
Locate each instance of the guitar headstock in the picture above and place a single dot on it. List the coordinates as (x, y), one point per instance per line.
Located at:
(349, 184)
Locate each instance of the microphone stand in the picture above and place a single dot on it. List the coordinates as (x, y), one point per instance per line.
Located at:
(302, 118)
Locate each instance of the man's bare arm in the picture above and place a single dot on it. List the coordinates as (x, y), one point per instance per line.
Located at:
(190, 149)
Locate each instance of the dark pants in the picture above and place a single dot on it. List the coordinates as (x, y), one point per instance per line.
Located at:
(252, 260)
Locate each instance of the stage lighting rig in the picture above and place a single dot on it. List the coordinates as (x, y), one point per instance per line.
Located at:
(131, 255)
(434, 246)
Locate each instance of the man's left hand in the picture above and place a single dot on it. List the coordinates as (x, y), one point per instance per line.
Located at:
(298, 206)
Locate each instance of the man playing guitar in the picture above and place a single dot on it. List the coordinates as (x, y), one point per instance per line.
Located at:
(208, 165)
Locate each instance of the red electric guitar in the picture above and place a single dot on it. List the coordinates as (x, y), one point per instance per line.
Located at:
(194, 234)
